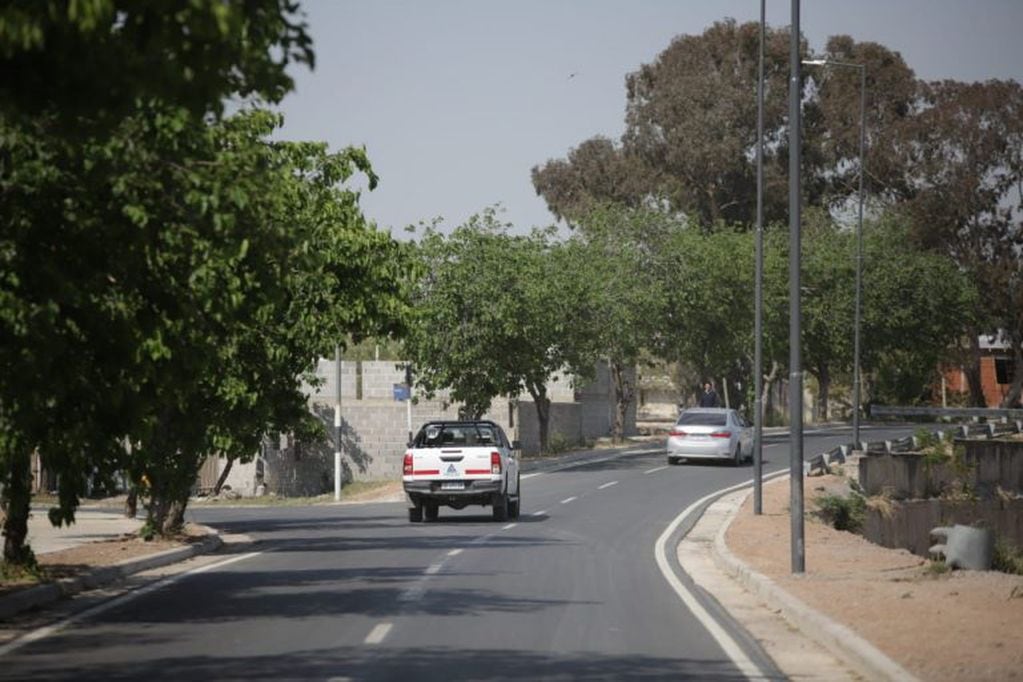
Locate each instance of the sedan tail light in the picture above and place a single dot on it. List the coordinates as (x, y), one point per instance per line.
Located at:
(495, 462)
(721, 434)
(677, 432)
(407, 464)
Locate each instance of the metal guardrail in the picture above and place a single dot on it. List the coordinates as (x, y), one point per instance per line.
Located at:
(951, 412)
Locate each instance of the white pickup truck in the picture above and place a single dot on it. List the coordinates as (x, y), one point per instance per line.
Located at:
(458, 463)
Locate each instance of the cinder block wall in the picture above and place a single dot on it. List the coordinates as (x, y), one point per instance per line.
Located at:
(375, 427)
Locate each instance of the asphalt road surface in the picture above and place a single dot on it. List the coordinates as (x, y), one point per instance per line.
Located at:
(571, 590)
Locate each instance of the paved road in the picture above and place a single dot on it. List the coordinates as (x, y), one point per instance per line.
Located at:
(570, 591)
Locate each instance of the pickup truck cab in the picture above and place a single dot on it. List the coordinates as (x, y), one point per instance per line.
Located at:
(458, 463)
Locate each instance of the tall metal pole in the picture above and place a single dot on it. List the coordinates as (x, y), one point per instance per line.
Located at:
(758, 358)
(795, 357)
(337, 423)
(859, 261)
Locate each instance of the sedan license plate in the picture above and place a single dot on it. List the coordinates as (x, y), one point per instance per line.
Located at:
(452, 485)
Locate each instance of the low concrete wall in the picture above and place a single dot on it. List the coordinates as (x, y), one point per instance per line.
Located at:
(986, 466)
(908, 524)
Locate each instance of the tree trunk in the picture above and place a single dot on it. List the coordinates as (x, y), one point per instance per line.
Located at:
(543, 412)
(1016, 388)
(824, 383)
(765, 395)
(174, 520)
(15, 500)
(131, 503)
(223, 476)
(624, 393)
(972, 372)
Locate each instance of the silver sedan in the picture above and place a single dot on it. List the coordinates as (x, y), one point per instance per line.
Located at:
(710, 433)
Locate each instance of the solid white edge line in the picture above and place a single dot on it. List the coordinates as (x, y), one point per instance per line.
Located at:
(746, 666)
(607, 485)
(43, 632)
(378, 633)
(568, 499)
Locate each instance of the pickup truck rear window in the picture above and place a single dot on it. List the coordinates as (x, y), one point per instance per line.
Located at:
(460, 435)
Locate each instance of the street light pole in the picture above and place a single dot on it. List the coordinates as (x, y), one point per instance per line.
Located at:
(859, 238)
(798, 549)
(758, 361)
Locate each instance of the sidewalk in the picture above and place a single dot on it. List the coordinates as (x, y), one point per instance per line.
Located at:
(100, 548)
(91, 525)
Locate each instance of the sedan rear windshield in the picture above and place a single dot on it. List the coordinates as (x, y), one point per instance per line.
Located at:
(462, 435)
(702, 419)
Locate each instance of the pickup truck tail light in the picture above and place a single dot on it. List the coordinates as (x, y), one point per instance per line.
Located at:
(407, 464)
(495, 462)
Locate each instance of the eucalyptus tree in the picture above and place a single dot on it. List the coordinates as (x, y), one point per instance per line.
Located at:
(964, 169)
(490, 318)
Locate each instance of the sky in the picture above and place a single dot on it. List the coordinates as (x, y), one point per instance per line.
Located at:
(456, 101)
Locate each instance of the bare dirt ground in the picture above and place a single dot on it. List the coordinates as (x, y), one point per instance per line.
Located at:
(962, 625)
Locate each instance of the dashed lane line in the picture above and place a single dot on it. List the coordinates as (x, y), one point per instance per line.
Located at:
(568, 499)
(378, 633)
(655, 469)
(608, 485)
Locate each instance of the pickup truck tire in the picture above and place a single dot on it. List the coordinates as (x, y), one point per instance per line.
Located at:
(431, 511)
(513, 504)
(415, 514)
(500, 504)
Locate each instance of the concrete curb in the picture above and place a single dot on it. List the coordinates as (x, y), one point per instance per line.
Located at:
(867, 659)
(34, 597)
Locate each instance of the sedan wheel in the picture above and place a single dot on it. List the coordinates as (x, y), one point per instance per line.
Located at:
(737, 459)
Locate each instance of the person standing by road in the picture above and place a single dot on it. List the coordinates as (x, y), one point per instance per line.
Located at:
(709, 398)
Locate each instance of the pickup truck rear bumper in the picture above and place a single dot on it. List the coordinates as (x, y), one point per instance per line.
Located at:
(474, 492)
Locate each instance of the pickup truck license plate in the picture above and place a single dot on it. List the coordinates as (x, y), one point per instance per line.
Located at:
(452, 485)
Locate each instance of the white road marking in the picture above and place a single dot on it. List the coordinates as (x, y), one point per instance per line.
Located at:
(455, 552)
(509, 526)
(432, 569)
(535, 473)
(650, 471)
(540, 513)
(568, 499)
(724, 640)
(378, 633)
(44, 632)
(608, 485)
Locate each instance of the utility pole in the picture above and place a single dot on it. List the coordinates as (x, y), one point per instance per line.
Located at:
(337, 424)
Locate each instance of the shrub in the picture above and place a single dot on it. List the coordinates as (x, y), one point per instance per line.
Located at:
(1007, 558)
(843, 513)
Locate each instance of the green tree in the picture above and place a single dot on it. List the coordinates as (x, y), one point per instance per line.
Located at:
(76, 333)
(87, 61)
(609, 275)
(489, 316)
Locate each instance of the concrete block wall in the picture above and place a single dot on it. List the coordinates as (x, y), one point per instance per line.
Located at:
(375, 427)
